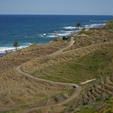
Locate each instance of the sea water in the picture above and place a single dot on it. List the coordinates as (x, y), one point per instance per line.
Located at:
(29, 29)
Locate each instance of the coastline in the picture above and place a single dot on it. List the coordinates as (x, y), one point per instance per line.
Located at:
(92, 26)
(45, 28)
(29, 69)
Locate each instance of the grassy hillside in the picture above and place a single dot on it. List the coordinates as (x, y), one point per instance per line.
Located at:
(90, 57)
(93, 36)
(109, 26)
(19, 91)
(97, 97)
(78, 70)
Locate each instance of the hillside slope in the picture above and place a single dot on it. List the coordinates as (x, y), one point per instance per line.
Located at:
(17, 91)
(98, 96)
(91, 57)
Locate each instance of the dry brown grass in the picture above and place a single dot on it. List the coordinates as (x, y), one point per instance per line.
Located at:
(17, 90)
(92, 36)
(28, 53)
(38, 66)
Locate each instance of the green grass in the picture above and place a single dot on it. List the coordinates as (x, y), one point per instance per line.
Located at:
(85, 110)
(97, 107)
(87, 67)
(109, 25)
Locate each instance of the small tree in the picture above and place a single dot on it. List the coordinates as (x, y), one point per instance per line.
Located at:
(78, 25)
(64, 38)
(15, 44)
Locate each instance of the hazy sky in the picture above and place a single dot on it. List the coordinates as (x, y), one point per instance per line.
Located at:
(72, 7)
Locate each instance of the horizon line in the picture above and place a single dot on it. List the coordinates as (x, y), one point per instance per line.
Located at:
(61, 14)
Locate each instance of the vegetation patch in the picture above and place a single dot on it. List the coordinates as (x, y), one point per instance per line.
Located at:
(109, 25)
(87, 67)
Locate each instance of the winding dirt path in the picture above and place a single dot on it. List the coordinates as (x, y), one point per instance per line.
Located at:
(61, 50)
(77, 88)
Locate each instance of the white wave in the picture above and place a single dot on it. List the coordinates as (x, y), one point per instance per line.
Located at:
(99, 21)
(10, 49)
(66, 33)
(70, 27)
(52, 35)
(59, 34)
(3, 49)
(94, 26)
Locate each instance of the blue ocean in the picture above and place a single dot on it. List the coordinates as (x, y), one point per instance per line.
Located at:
(29, 29)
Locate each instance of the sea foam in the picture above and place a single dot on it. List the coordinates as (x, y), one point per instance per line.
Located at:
(10, 49)
(95, 26)
(70, 27)
(59, 34)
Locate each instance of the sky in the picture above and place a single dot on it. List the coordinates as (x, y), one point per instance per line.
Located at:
(66, 7)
